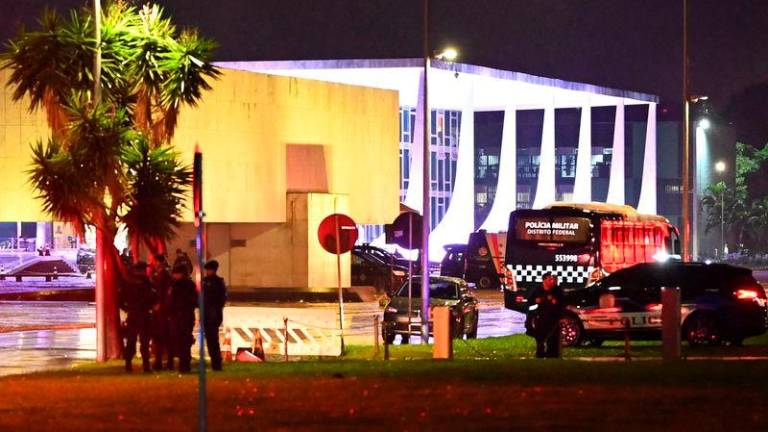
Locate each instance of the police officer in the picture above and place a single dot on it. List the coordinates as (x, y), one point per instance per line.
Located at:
(546, 310)
(181, 308)
(137, 299)
(161, 333)
(214, 295)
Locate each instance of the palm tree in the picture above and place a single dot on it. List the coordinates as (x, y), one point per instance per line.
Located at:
(111, 163)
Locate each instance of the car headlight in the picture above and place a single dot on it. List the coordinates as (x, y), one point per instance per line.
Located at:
(390, 309)
(398, 273)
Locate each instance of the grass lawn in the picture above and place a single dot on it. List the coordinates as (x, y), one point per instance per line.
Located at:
(487, 387)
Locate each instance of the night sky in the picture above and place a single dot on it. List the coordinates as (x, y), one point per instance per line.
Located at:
(629, 44)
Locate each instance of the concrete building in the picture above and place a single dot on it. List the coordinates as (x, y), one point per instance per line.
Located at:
(287, 143)
(534, 169)
(280, 154)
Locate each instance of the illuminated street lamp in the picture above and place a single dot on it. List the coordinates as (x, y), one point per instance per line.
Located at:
(449, 54)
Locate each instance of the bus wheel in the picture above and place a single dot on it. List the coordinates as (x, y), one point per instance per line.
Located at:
(486, 282)
(571, 330)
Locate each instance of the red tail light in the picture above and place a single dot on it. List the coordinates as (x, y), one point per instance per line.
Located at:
(746, 294)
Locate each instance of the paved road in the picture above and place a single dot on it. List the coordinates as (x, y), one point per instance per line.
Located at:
(47, 335)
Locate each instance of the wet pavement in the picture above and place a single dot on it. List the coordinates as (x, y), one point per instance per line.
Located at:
(36, 336)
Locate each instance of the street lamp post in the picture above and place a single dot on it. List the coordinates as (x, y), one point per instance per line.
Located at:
(720, 168)
(686, 142)
(426, 186)
(449, 54)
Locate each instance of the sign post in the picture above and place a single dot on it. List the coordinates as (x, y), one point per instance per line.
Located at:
(197, 198)
(337, 234)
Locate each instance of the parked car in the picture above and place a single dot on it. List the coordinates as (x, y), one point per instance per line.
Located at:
(719, 303)
(370, 270)
(454, 262)
(473, 262)
(86, 260)
(444, 291)
(385, 256)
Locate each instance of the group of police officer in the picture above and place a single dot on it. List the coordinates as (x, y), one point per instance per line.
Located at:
(160, 307)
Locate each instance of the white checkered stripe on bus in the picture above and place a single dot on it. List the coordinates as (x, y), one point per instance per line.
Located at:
(565, 273)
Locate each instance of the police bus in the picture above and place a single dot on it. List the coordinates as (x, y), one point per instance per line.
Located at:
(579, 243)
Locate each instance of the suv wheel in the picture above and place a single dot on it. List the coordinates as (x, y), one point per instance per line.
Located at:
(472, 333)
(459, 329)
(571, 331)
(702, 329)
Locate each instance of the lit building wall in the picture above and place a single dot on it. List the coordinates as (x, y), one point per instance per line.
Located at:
(18, 130)
(244, 127)
(246, 122)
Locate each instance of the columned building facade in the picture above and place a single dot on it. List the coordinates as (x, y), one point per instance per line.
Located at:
(532, 168)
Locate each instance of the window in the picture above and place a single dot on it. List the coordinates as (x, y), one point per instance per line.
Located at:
(437, 289)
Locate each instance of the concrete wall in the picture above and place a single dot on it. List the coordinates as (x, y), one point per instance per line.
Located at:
(247, 123)
(275, 255)
(18, 130)
(244, 127)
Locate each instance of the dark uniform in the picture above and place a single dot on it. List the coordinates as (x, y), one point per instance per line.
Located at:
(181, 309)
(546, 320)
(214, 295)
(161, 334)
(137, 299)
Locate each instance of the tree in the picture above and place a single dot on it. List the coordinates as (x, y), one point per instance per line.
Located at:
(111, 163)
(746, 202)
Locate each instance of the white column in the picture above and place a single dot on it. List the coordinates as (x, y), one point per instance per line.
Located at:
(459, 220)
(41, 235)
(647, 201)
(506, 189)
(414, 193)
(582, 186)
(616, 182)
(545, 188)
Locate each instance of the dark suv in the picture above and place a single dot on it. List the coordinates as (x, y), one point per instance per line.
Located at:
(443, 291)
(368, 269)
(719, 303)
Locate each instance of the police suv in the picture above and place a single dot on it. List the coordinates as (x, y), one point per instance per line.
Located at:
(720, 303)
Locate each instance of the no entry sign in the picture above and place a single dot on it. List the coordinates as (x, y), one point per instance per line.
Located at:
(405, 231)
(346, 229)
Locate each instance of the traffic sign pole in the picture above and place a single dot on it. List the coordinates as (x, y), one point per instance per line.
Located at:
(410, 271)
(337, 234)
(338, 281)
(200, 245)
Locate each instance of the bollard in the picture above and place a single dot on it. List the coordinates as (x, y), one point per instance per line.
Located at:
(55, 273)
(627, 339)
(285, 335)
(376, 335)
(226, 347)
(443, 341)
(670, 323)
